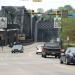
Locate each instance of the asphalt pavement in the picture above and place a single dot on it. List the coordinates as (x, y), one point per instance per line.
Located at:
(28, 63)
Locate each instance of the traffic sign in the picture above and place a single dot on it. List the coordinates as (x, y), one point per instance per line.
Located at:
(3, 22)
(57, 22)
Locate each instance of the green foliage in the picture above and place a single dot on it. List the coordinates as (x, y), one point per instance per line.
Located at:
(72, 11)
(11, 13)
(61, 8)
(68, 29)
(48, 16)
(68, 7)
(65, 46)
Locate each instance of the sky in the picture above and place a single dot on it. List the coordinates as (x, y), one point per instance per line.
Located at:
(45, 4)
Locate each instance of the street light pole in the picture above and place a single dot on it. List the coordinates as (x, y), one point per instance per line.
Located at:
(22, 20)
(31, 23)
(42, 36)
(36, 31)
(36, 27)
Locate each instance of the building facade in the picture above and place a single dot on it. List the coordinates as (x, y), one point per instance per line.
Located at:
(18, 22)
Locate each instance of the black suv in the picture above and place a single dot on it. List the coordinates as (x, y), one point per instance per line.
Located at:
(51, 49)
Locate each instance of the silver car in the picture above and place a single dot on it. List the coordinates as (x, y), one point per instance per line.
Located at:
(68, 56)
(17, 48)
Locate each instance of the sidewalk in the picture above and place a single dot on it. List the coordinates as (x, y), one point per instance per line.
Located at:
(5, 49)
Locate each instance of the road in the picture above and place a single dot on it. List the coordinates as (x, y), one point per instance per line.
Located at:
(28, 63)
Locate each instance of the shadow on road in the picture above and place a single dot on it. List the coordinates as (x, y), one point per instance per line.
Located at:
(71, 64)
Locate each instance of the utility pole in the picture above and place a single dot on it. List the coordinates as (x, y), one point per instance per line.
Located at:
(36, 31)
(36, 27)
(31, 22)
(22, 20)
(42, 36)
(57, 22)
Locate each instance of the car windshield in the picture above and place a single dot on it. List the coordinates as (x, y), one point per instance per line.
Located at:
(17, 46)
(71, 50)
(51, 44)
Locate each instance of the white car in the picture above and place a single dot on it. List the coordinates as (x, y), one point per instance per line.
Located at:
(39, 49)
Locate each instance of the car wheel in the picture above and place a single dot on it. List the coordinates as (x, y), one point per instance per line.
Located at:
(21, 51)
(12, 52)
(59, 56)
(61, 62)
(36, 52)
(66, 61)
(44, 55)
(55, 56)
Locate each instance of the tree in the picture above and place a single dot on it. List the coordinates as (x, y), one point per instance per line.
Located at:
(49, 11)
(68, 7)
(68, 28)
(40, 10)
(11, 13)
(48, 16)
(61, 8)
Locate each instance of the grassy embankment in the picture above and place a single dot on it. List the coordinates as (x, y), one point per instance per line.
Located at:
(68, 30)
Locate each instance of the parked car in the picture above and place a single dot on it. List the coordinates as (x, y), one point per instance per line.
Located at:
(68, 56)
(17, 48)
(52, 49)
(14, 43)
(39, 48)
